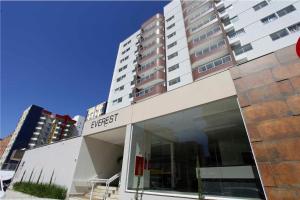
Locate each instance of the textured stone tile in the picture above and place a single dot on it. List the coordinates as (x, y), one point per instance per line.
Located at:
(287, 173)
(266, 174)
(296, 83)
(294, 104)
(265, 111)
(287, 55)
(281, 193)
(280, 128)
(254, 80)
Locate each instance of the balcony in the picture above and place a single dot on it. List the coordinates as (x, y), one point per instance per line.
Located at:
(41, 123)
(36, 133)
(223, 14)
(201, 39)
(39, 128)
(34, 138)
(190, 19)
(211, 67)
(228, 26)
(150, 79)
(205, 53)
(189, 9)
(204, 23)
(148, 92)
(152, 19)
(153, 54)
(42, 118)
(151, 66)
(219, 4)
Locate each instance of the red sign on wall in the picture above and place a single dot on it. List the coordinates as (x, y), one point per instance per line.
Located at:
(298, 47)
(139, 166)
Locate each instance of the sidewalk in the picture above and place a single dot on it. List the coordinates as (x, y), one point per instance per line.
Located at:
(11, 194)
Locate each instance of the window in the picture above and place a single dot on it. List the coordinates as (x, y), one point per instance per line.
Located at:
(171, 35)
(286, 10)
(170, 18)
(132, 82)
(233, 34)
(172, 55)
(294, 28)
(125, 50)
(119, 100)
(130, 95)
(124, 45)
(279, 34)
(172, 45)
(234, 19)
(121, 78)
(171, 26)
(174, 81)
(123, 59)
(260, 5)
(172, 68)
(242, 49)
(269, 18)
(119, 88)
(122, 68)
(213, 134)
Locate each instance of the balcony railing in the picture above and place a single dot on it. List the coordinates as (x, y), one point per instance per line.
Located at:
(200, 39)
(189, 9)
(207, 51)
(158, 75)
(154, 18)
(190, 19)
(153, 90)
(155, 63)
(200, 25)
(218, 64)
(156, 52)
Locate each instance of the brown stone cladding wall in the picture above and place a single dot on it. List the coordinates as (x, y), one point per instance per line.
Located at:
(269, 95)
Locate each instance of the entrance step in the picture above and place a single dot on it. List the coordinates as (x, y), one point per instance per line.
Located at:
(98, 194)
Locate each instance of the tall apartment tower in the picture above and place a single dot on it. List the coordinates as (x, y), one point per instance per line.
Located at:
(196, 42)
(51, 128)
(140, 66)
(195, 39)
(123, 82)
(151, 63)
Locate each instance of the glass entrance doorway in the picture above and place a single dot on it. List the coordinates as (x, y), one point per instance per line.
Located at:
(214, 134)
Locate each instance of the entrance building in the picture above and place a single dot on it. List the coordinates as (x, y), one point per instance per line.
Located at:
(196, 127)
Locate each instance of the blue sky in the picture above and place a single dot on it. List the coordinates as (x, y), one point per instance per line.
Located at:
(61, 55)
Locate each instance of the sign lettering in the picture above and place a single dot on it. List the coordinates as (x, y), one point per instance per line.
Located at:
(104, 121)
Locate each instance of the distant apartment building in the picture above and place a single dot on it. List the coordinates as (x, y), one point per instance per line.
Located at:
(21, 136)
(52, 128)
(96, 111)
(36, 127)
(195, 39)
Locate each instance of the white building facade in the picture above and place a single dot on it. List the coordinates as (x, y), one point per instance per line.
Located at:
(201, 38)
(122, 83)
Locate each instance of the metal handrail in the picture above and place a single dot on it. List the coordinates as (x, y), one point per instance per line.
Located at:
(106, 181)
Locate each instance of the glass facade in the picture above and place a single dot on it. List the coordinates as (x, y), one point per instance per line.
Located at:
(212, 133)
